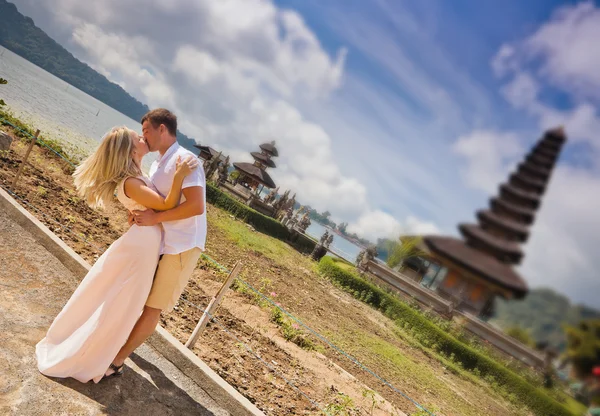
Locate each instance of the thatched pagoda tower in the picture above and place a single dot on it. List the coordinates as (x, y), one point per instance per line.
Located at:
(473, 270)
(255, 174)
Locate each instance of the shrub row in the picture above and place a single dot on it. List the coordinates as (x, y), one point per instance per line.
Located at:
(430, 335)
(260, 222)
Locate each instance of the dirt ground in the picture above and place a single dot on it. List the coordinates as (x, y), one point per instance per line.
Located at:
(325, 376)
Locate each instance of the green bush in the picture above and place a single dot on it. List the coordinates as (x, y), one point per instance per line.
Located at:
(259, 221)
(520, 335)
(446, 344)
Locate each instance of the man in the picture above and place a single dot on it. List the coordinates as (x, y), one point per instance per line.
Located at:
(184, 228)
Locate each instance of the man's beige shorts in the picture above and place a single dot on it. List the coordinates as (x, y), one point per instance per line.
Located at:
(171, 277)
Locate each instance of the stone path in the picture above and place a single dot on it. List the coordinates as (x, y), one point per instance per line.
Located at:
(33, 287)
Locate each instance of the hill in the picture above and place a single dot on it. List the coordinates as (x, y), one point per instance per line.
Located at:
(543, 313)
(20, 34)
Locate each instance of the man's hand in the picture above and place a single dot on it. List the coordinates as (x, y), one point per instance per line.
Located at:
(145, 218)
(130, 219)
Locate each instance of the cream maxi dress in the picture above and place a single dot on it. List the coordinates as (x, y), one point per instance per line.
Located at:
(98, 318)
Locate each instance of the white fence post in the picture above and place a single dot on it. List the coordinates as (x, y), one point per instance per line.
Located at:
(212, 306)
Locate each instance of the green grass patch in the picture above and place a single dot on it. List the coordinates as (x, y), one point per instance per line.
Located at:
(260, 222)
(26, 132)
(291, 331)
(388, 355)
(246, 239)
(432, 336)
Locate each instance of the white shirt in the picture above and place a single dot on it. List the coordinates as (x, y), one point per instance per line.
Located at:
(180, 235)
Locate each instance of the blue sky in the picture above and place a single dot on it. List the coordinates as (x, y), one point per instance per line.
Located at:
(396, 116)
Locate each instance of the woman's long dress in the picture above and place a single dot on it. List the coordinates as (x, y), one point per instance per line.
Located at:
(98, 318)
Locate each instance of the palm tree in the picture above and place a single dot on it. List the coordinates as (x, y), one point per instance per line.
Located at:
(583, 346)
(404, 248)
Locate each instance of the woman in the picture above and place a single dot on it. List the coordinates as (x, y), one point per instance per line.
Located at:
(96, 321)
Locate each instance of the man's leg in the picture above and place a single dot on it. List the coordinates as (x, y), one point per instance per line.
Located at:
(172, 275)
(143, 328)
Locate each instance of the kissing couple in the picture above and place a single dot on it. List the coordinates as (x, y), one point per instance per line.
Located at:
(117, 306)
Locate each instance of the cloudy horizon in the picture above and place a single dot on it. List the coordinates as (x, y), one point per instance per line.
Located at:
(394, 117)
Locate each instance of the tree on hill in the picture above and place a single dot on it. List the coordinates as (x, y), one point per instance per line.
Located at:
(543, 313)
(583, 347)
(520, 335)
(383, 245)
(321, 218)
(2, 82)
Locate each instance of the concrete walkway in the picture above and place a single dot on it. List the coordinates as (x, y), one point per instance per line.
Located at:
(33, 286)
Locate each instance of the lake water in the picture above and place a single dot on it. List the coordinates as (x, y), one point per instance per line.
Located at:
(78, 120)
(58, 109)
(340, 245)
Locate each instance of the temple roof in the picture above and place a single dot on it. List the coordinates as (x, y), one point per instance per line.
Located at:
(534, 170)
(270, 148)
(520, 230)
(490, 247)
(255, 173)
(541, 160)
(263, 159)
(520, 194)
(520, 179)
(212, 152)
(556, 135)
(478, 262)
(508, 251)
(546, 151)
(527, 214)
(551, 145)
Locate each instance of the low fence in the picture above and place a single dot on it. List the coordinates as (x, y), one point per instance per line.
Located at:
(502, 341)
(410, 288)
(498, 339)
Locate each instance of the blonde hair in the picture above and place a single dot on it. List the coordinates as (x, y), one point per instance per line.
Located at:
(98, 175)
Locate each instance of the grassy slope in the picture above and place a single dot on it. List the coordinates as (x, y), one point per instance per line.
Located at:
(382, 346)
(363, 342)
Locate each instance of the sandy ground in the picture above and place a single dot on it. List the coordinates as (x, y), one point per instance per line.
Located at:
(323, 375)
(34, 286)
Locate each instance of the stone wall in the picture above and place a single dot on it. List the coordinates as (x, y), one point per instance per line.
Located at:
(409, 288)
(502, 341)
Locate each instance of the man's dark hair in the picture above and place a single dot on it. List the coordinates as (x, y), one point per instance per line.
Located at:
(160, 116)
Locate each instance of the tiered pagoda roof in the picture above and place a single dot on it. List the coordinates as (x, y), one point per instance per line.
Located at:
(491, 247)
(262, 161)
(207, 152)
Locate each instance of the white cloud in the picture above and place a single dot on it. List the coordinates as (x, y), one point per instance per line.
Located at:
(565, 53)
(583, 122)
(488, 157)
(378, 224)
(231, 70)
(562, 55)
(503, 62)
(568, 44)
(522, 91)
(563, 249)
(242, 72)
